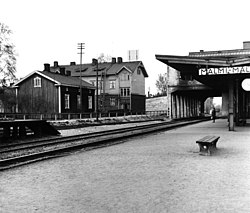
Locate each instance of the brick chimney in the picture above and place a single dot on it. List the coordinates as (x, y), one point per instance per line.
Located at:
(62, 70)
(55, 63)
(113, 60)
(119, 60)
(47, 67)
(68, 73)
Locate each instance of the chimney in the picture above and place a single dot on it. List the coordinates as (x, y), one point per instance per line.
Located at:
(62, 70)
(119, 60)
(68, 73)
(113, 60)
(55, 63)
(72, 63)
(47, 67)
(246, 45)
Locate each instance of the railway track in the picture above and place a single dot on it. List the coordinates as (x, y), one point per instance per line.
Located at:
(17, 154)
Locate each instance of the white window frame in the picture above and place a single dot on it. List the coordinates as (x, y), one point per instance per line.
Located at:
(66, 101)
(78, 102)
(37, 82)
(111, 84)
(112, 102)
(90, 100)
(125, 92)
(138, 71)
(124, 77)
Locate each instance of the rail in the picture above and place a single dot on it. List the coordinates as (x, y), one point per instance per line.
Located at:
(72, 116)
(21, 153)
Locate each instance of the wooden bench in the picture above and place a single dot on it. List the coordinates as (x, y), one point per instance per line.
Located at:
(207, 144)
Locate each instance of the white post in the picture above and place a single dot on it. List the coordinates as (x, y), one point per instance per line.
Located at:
(59, 100)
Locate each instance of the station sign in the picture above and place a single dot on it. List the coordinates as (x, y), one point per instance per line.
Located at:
(224, 70)
(246, 84)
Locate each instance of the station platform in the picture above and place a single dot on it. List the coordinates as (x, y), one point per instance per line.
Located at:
(159, 172)
(14, 129)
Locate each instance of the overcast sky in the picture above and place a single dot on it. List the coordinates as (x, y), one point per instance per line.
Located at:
(45, 31)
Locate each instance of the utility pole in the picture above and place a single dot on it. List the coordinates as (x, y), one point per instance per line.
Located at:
(81, 46)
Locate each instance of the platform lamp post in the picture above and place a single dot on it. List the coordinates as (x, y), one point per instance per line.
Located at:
(95, 63)
(81, 46)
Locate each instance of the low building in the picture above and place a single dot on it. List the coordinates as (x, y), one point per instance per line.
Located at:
(121, 85)
(53, 92)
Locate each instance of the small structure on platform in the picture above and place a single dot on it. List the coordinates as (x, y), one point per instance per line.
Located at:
(16, 129)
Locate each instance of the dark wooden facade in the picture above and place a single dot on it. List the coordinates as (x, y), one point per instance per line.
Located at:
(50, 96)
(138, 103)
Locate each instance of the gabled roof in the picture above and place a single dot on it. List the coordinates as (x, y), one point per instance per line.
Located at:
(58, 79)
(110, 68)
(122, 68)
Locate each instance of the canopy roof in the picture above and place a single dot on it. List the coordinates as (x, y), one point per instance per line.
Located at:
(196, 62)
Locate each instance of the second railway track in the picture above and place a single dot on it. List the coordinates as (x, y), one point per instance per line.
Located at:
(12, 155)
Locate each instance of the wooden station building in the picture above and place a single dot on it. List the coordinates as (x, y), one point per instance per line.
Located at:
(54, 92)
(224, 73)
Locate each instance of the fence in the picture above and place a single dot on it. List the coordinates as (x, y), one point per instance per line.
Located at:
(71, 116)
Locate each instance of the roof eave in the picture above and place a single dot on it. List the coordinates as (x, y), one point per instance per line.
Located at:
(171, 59)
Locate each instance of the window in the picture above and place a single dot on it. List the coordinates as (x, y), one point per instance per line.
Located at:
(66, 99)
(112, 101)
(128, 92)
(90, 102)
(139, 71)
(124, 77)
(112, 84)
(125, 106)
(100, 84)
(78, 101)
(37, 82)
(125, 92)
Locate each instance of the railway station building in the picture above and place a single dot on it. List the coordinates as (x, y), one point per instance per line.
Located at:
(121, 85)
(223, 73)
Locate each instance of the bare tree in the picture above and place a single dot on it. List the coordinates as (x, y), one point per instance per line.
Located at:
(104, 58)
(162, 83)
(7, 56)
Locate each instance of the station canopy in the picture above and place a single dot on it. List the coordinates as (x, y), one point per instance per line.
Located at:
(212, 68)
